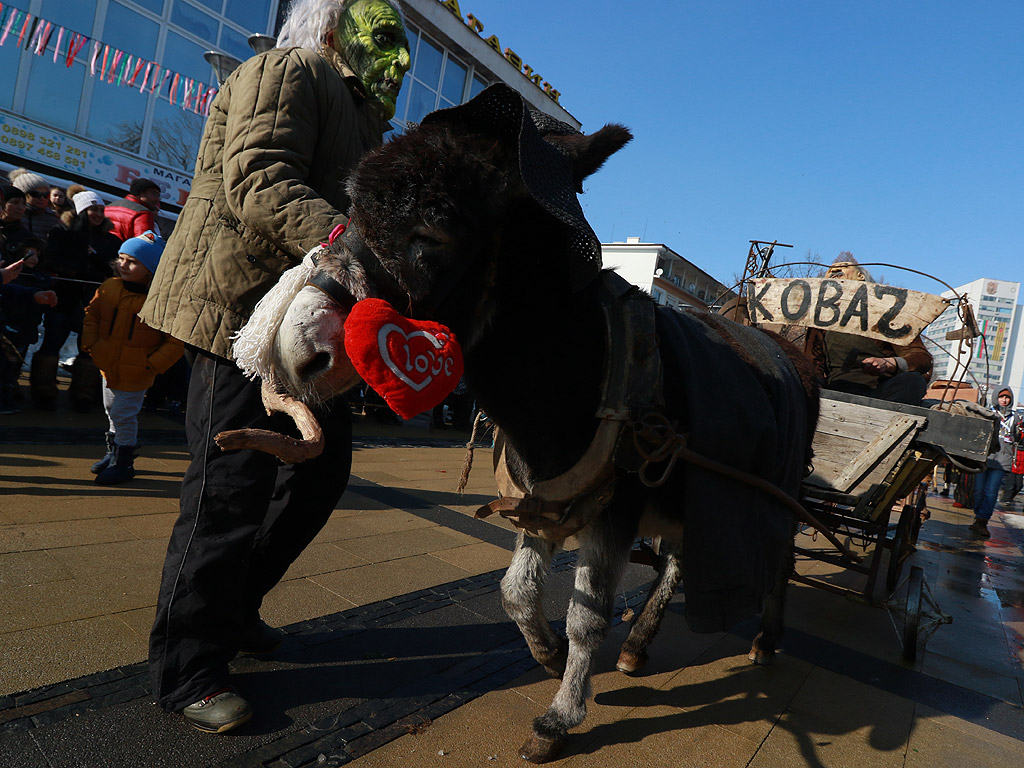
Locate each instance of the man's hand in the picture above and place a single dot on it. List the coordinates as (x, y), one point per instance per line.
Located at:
(46, 298)
(10, 273)
(879, 366)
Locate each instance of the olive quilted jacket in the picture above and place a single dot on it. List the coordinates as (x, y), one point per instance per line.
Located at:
(282, 136)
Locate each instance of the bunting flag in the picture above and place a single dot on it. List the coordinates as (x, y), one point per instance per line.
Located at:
(56, 48)
(117, 67)
(74, 47)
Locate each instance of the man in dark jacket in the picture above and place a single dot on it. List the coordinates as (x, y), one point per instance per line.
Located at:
(268, 187)
(135, 213)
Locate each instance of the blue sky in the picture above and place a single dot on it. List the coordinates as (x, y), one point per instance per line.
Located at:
(889, 129)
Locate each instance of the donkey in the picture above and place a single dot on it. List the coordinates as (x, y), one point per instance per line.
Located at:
(472, 219)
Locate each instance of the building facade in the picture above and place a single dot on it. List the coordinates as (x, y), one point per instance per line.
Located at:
(130, 101)
(670, 279)
(1000, 359)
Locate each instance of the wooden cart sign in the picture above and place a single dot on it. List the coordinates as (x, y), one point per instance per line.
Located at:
(882, 312)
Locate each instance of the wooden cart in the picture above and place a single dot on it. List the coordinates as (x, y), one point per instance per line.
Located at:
(871, 457)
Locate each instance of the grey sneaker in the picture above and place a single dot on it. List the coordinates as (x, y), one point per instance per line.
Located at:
(218, 712)
(260, 638)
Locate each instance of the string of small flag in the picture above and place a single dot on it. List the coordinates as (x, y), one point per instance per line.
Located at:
(113, 65)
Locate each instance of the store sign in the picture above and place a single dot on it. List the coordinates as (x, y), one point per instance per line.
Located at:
(882, 312)
(78, 157)
(511, 56)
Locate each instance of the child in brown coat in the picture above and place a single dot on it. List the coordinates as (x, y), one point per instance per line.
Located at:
(127, 351)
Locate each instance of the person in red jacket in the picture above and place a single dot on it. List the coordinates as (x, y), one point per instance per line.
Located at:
(135, 213)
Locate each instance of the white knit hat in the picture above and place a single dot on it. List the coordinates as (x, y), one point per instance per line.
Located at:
(85, 200)
(26, 180)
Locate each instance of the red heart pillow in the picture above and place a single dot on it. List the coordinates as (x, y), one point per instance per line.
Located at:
(412, 364)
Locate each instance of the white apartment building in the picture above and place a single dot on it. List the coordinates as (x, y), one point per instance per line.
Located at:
(997, 362)
(671, 279)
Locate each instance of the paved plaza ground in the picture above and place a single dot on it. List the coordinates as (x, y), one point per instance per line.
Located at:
(398, 653)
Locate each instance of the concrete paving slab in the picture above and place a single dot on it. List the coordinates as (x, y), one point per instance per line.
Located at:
(19, 569)
(479, 557)
(371, 522)
(322, 557)
(43, 655)
(801, 739)
(936, 745)
(378, 581)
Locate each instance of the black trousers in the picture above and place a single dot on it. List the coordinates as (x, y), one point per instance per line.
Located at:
(908, 387)
(244, 518)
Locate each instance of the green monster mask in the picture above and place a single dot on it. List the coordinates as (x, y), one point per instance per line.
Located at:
(371, 40)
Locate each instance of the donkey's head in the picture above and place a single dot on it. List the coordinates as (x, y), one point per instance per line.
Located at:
(431, 212)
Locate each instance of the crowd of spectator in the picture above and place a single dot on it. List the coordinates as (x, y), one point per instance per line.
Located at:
(57, 246)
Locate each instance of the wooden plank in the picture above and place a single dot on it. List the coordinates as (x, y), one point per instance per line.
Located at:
(854, 466)
(962, 436)
(875, 452)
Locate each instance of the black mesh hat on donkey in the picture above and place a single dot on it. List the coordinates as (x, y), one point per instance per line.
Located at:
(501, 111)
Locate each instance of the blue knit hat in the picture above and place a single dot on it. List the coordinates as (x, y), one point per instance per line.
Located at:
(145, 249)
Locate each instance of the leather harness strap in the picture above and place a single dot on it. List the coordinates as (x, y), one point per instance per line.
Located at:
(553, 509)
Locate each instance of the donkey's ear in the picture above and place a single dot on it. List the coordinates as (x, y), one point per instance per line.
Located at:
(588, 153)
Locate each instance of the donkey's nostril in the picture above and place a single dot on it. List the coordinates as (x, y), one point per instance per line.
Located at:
(319, 363)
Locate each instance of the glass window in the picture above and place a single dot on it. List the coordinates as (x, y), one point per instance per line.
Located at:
(174, 136)
(251, 14)
(422, 100)
(186, 58)
(129, 31)
(454, 81)
(427, 62)
(48, 79)
(476, 86)
(213, 5)
(116, 116)
(190, 18)
(9, 56)
(403, 99)
(76, 16)
(235, 43)
(156, 6)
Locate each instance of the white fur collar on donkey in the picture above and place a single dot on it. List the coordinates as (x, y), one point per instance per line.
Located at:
(254, 343)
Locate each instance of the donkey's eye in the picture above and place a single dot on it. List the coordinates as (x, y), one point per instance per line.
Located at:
(426, 244)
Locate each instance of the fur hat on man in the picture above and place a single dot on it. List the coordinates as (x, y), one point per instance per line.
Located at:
(85, 200)
(146, 249)
(25, 180)
(141, 185)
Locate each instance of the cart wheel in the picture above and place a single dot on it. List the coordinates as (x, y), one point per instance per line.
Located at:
(913, 615)
(901, 545)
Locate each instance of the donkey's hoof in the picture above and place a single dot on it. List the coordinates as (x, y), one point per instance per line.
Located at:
(539, 749)
(761, 657)
(631, 663)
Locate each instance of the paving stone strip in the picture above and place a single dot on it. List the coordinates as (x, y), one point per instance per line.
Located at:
(350, 732)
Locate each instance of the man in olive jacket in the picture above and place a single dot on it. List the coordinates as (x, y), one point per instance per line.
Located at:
(283, 134)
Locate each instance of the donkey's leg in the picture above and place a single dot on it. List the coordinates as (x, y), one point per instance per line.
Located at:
(603, 555)
(763, 649)
(633, 654)
(522, 588)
